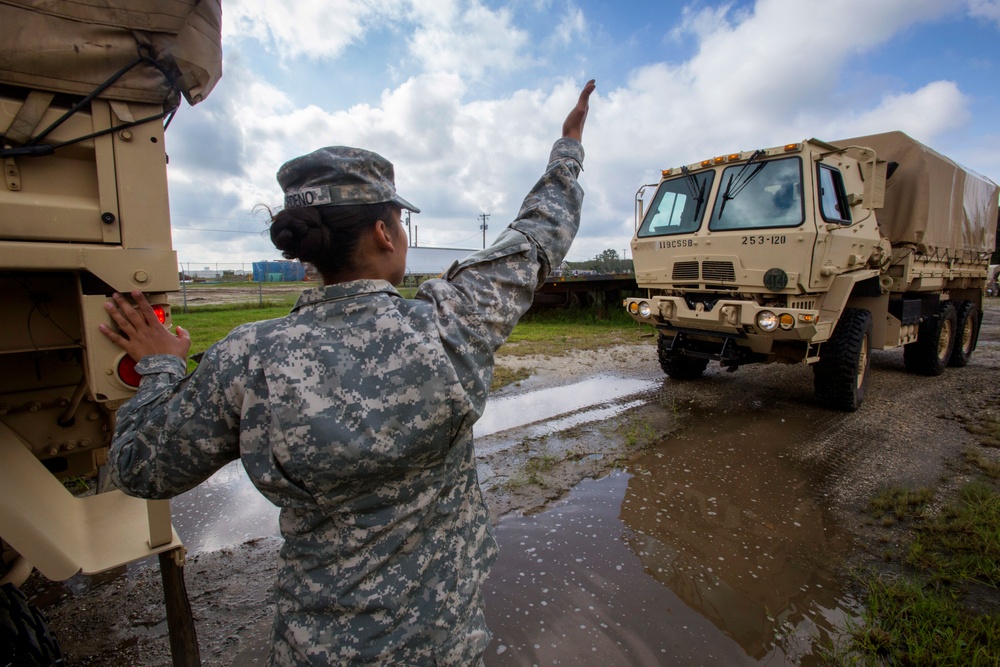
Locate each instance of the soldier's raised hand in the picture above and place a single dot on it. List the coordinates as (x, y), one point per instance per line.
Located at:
(573, 126)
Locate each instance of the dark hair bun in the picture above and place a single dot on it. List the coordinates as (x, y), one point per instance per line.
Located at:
(299, 233)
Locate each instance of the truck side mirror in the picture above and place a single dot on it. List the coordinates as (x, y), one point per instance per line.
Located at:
(873, 173)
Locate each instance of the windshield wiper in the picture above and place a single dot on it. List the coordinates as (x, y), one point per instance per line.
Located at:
(697, 190)
(733, 191)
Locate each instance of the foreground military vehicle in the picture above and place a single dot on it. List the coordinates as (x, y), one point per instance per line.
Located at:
(816, 253)
(85, 91)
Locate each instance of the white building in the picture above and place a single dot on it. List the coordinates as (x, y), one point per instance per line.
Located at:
(424, 261)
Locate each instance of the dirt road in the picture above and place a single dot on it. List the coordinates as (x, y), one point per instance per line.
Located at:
(911, 432)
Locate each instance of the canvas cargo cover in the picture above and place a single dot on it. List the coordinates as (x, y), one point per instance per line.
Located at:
(932, 201)
(73, 47)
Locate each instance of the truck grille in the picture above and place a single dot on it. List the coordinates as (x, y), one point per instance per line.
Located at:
(685, 271)
(718, 271)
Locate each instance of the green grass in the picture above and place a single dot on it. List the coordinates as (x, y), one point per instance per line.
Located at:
(906, 623)
(550, 332)
(962, 542)
(943, 608)
(638, 434)
(209, 324)
(553, 332)
(504, 376)
(898, 504)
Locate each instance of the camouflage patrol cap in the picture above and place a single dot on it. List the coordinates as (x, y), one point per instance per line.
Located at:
(338, 176)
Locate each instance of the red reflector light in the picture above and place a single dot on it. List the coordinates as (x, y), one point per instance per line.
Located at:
(127, 373)
(161, 314)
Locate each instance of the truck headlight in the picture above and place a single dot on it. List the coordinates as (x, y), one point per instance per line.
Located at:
(767, 321)
(644, 309)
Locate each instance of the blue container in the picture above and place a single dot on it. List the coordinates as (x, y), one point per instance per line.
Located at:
(264, 272)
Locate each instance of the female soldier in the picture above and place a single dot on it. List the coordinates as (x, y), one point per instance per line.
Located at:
(354, 413)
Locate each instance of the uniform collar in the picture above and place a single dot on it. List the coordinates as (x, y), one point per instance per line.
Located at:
(341, 291)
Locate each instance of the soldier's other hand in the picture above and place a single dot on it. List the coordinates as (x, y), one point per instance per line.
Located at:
(573, 127)
(140, 332)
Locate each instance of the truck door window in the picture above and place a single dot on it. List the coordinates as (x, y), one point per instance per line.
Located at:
(769, 194)
(678, 206)
(832, 196)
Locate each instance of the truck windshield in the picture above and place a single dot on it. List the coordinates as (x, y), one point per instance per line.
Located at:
(769, 195)
(678, 206)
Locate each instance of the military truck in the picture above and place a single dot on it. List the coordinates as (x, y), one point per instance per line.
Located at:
(816, 253)
(86, 89)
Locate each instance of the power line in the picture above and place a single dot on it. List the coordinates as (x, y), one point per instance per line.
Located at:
(484, 217)
(224, 231)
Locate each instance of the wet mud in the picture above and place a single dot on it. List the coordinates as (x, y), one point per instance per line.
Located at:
(709, 548)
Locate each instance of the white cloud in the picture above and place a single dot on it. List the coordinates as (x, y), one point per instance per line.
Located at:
(759, 77)
(573, 25)
(305, 28)
(468, 41)
(986, 9)
(923, 114)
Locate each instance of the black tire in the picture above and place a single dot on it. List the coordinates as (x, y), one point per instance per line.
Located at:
(930, 354)
(676, 366)
(966, 334)
(25, 639)
(840, 377)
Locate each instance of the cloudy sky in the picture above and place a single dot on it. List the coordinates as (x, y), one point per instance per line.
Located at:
(466, 97)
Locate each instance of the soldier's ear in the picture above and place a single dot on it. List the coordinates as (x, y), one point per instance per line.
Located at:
(383, 235)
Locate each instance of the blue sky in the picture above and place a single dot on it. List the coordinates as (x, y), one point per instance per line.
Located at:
(465, 98)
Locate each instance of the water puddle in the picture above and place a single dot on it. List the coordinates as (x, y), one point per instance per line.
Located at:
(546, 404)
(227, 510)
(223, 511)
(711, 549)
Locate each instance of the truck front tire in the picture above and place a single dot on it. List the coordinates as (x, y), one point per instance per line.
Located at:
(840, 377)
(677, 366)
(932, 351)
(966, 334)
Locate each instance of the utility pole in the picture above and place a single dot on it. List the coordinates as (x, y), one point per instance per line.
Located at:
(483, 217)
(406, 222)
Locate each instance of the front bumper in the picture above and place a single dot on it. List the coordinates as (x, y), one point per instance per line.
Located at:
(730, 317)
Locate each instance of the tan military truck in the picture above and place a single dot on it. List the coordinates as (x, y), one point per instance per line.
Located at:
(86, 89)
(816, 253)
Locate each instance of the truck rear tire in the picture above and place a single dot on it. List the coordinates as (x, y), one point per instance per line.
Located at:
(25, 638)
(931, 353)
(966, 334)
(840, 377)
(677, 366)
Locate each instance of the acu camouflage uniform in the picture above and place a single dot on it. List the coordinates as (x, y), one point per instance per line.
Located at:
(354, 415)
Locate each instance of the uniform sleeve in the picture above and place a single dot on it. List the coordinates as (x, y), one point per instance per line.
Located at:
(481, 298)
(177, 430)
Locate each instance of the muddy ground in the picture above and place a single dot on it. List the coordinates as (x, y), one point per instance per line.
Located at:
(226, 294)
(911, 432)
